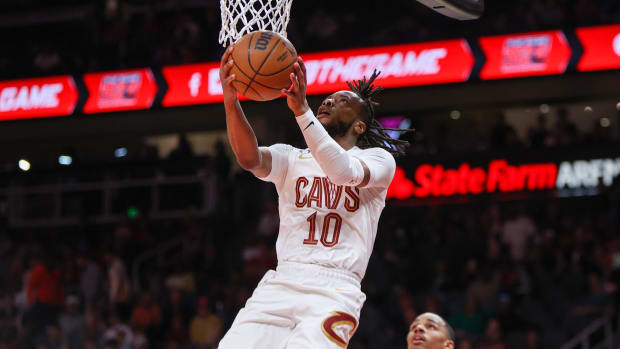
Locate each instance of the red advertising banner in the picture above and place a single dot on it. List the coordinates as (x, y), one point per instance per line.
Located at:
(433, 180)
(402, 65)
(119, 90)
(192, 84)
(37, 98)
(517, 55)
(601, 47)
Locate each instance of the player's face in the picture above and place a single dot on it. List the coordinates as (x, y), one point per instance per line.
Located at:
(428, 332)
(339, 112)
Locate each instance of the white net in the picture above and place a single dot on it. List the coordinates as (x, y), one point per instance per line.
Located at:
(240, 17)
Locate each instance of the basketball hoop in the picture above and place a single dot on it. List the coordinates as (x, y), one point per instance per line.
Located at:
(240, 17)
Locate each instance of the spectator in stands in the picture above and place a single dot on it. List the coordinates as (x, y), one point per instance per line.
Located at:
(470, 321)
(538, 134)
(119, 332)
(90, 278)
(532, 340)
(206, 327)
(71, 323)
(175, 304)
(94, 328)
(140, 340)
(508, 316)
(183, 151)
(484, 288)
(146, 316)
(595, 303)
(177, 332)
(564, 130)
(503, 135)
(51, 339)
(119, 287)
(492, 337)
(45, 292)
(8, 326)
(517, 232)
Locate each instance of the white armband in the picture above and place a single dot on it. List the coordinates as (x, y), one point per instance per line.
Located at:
(340, 167)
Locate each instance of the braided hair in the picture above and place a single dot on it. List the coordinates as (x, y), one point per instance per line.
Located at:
(375, 135)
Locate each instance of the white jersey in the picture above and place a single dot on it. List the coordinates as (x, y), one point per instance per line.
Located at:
(322, 223)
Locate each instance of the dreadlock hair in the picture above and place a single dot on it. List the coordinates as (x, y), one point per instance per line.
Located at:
(375, 135)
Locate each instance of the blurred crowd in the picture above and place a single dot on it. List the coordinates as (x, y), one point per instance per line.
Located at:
(528, 273)
(493, 131)
(45, 38)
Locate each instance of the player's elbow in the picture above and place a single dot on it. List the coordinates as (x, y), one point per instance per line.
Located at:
(248, 164)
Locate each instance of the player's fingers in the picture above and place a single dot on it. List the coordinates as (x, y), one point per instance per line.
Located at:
(287, 92)
(295, 82)
(298, 71)
(302, 68)
(230, 79)
(226, 55)
(300, 76)
(227, 67)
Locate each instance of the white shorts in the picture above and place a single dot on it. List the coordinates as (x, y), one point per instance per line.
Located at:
(298, 306)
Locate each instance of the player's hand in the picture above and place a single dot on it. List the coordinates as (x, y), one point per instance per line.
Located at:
(226, 64)
(296, 94)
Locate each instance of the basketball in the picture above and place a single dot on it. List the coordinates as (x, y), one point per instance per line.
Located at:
(263, 63)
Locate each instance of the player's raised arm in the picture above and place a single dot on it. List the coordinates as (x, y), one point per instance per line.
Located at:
(372, 167)
(240, 134)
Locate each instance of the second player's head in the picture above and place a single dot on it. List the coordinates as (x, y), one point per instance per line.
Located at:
(430, 331)
(352, 114)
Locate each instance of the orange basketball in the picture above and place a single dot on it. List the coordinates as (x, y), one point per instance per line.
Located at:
(263, 63)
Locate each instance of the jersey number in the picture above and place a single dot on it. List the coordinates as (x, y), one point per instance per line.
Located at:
(327, 221)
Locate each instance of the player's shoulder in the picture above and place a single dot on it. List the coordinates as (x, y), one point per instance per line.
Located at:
(375, 152)
(283, 148)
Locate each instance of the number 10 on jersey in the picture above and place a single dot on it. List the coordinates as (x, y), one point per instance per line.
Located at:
(330, 219)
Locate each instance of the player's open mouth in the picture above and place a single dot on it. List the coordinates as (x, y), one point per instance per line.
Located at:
(322, 112)
(418, 340)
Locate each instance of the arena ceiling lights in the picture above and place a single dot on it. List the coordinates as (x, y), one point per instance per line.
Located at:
(438, 62)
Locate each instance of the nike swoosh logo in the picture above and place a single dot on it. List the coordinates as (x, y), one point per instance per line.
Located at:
(310, 124)
(301, 157)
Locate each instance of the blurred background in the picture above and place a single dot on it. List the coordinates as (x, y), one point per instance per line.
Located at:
(125, 222)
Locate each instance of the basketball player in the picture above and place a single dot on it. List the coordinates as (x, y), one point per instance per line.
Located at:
(430, 331)
(330, 199)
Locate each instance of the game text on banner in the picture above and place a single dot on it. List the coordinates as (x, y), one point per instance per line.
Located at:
(37, 98)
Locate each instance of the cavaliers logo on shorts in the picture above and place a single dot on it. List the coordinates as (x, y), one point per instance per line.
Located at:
(339, 328)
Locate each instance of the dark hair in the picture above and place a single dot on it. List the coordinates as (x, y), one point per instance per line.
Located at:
(375, 135)
(450, 330)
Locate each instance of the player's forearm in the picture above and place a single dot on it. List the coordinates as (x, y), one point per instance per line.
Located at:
(241, 136)
(340, 167)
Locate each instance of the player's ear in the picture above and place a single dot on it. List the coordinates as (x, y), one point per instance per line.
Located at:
(449, 344)
(359, 127)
